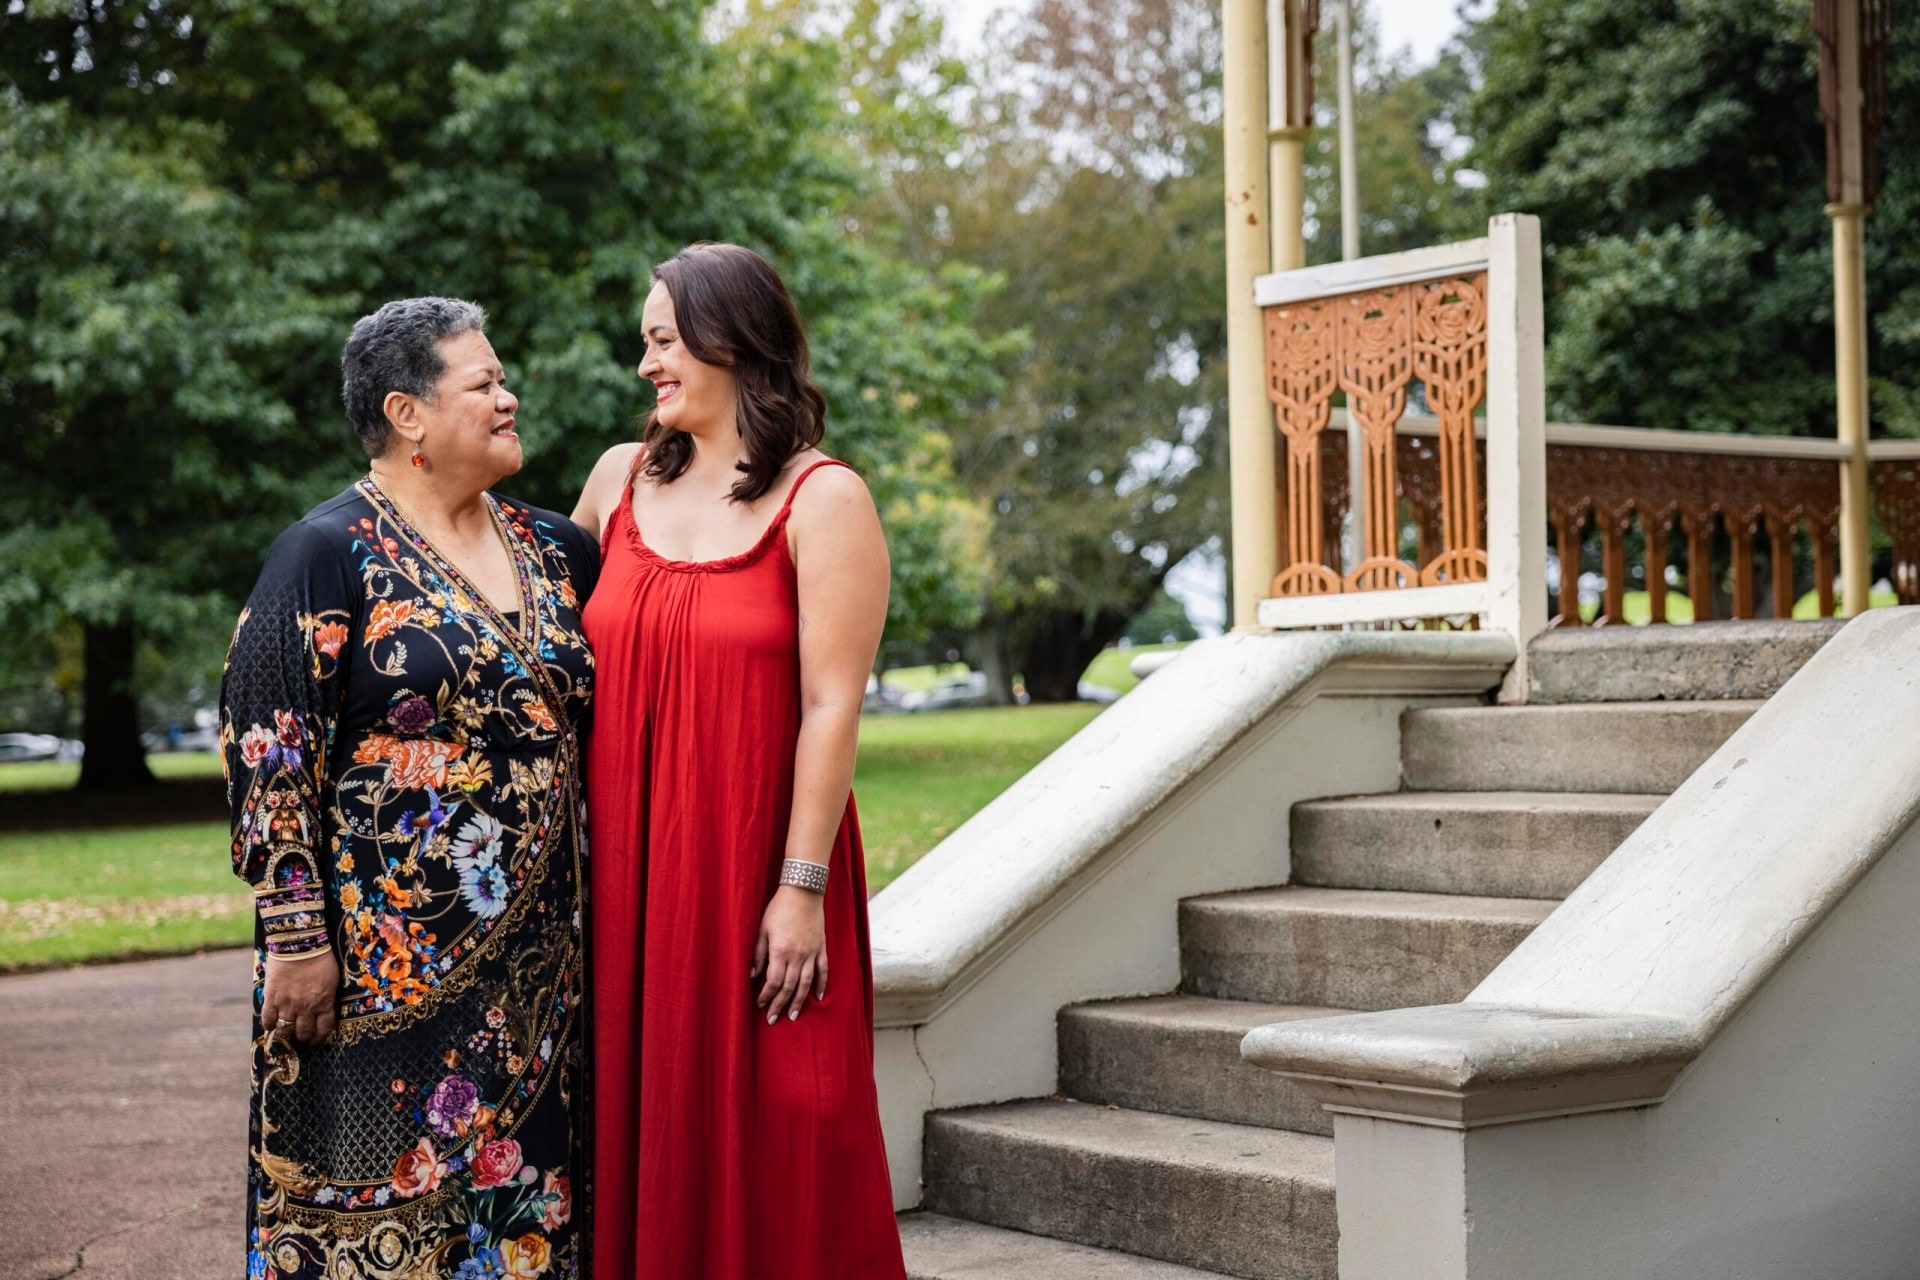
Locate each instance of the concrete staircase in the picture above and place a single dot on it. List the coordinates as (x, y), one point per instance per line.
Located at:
(1163, 1155)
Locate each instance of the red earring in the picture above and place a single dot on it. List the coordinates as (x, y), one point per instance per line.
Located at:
(419, 459)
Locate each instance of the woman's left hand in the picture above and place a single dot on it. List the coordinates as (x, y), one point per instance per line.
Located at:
(791, 952)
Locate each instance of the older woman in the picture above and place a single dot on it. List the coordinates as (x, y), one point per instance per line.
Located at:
(400, 709)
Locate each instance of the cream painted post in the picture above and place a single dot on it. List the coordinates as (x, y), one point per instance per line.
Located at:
(1852, 36)
(1401, 1197)
(1516, 440)
(1289, 120)
(1250, 429)
(1850, 402)
(1286, 163)
(1349, 145)
(1291, 26)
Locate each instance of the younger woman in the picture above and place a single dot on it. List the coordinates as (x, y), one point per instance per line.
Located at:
(743, 591)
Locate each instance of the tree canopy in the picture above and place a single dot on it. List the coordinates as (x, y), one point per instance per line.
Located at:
(1674, 152)
(1087, 176)
(202, 196)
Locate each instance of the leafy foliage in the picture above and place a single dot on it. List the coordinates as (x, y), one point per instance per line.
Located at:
(1674, 152)
(1088, 179)
(202, 196)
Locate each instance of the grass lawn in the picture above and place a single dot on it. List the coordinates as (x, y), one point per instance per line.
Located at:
(67, 896)
(51, 775)
(1114, 667)
(118, 891)
(920, 776)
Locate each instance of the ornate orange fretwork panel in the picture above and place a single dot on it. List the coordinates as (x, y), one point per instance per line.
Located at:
(1376, 360)
(1300, 382)
(1372, 346)
(1450, 359)
(1704, 496)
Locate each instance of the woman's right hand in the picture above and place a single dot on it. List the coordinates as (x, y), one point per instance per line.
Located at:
(299, 996)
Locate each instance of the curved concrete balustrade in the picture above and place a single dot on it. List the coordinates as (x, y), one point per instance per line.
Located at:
(1746, 960)
(1465, 1065)
(1062, 889)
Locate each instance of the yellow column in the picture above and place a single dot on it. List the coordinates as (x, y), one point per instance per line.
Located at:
(1250, 429)
(1850, 402)
(1287, 160)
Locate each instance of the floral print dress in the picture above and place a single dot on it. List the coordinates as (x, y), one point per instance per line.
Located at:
(403, 767)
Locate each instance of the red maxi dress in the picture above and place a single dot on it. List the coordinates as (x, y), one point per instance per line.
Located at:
(724, 1148)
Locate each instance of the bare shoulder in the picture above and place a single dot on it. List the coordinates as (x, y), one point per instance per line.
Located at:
(834, 514)
(602, 489)
(617, 461)
(829, 490)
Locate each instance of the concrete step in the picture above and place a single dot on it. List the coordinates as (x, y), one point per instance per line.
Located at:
(1714, 660)
(1253, 1203)
(1501, 844)
(1646, 747)
(1180, 1055)
(943, 1248)
(1348, 948)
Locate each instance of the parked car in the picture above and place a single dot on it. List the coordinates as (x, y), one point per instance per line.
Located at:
(881, 696)
(36, 746)
(181, 738)
(969, 690)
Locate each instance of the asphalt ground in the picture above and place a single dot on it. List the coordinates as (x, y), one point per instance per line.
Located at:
(123, 1120)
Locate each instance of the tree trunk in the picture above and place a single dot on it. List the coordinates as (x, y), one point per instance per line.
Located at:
(115, 759)
(996, 664)
(1060, 645)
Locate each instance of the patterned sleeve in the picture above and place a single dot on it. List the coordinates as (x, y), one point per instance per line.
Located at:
(583, 560)
(279, 698)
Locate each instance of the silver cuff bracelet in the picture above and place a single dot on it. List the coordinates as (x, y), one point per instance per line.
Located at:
(801, 874)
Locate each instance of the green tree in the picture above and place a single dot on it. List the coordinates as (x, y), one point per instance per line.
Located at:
(320, 158)
(1674, 152)
(1163, 621)
(1408, 157)
(132, 324)
(1088, 179)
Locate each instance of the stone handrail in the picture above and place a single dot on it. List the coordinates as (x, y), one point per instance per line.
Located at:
(949, 912)
(1065, 887)
(1644, 965)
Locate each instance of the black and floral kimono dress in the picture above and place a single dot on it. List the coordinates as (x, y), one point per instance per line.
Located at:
(404, 772)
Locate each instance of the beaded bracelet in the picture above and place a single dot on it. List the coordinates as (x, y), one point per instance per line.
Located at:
(801, 874)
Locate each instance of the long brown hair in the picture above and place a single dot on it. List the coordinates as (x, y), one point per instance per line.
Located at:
(733, 310)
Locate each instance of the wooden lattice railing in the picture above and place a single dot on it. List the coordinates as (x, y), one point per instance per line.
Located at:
(1370, 345)
(1456, 328)
(1620, 507)
(1626, 504)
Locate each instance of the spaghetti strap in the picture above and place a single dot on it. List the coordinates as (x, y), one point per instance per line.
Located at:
(768, 535)
(787, 506)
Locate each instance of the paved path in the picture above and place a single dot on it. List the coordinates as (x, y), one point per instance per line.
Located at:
(123, 1121)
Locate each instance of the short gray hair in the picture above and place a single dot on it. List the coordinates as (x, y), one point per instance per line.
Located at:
(397, 348)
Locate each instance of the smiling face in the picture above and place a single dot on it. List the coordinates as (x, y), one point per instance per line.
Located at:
(692, 396)
(467, 428)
